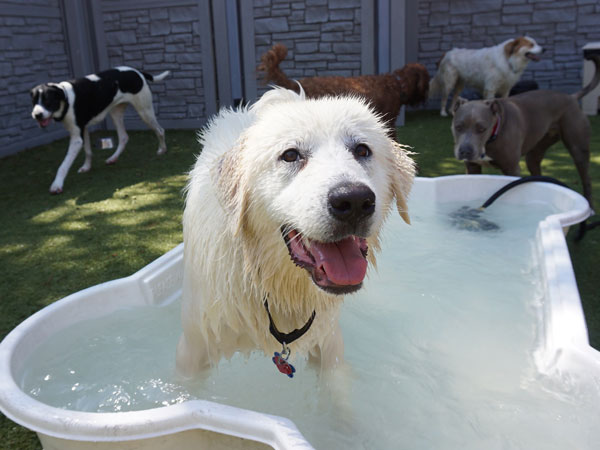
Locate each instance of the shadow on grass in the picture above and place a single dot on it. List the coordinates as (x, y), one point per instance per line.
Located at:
(108, 223)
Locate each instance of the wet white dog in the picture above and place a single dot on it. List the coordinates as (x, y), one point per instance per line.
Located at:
(283, 211)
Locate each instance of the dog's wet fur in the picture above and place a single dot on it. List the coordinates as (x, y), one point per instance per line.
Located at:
(285, 203)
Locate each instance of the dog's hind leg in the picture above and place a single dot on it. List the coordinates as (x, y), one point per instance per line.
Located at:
(148, 116)
(74, 146)
(143, 106)
(117, 114)
(87, 146)
(577, 139)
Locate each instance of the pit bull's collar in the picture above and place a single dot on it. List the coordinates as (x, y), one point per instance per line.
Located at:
(495, 130)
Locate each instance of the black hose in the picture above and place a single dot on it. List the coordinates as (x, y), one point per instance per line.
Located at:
(583, 226)
(512, 184)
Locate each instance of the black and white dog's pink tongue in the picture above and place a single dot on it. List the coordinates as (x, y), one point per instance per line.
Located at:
(45, 122)
(342, 261)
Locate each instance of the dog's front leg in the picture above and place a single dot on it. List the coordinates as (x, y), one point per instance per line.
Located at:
(192, 357)
(473, 168)
(87, 146)
(74, 146)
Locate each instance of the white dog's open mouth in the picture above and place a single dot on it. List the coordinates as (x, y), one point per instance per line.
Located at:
(336, 267)
(532, 56)
(44, 122)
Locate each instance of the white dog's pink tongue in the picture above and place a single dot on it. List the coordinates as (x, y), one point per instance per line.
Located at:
(342, 261)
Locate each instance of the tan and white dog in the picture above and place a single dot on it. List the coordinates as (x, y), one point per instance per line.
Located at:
(493, 71)
(284, 205)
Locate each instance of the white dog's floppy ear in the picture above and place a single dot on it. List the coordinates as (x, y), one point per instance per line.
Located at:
(402, 178)
(231, 186)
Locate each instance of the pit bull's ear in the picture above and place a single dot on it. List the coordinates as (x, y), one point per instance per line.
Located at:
(459, 102)
(402, 178)
(231, 186)
(494, 106)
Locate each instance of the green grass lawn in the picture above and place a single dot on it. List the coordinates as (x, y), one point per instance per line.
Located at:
(113, 220)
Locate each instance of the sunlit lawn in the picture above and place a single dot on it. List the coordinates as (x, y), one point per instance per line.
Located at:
(112, 221)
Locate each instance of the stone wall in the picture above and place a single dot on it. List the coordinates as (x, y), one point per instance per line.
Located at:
(562, 27)
(158, 39)
(27, 60)
(323, 37)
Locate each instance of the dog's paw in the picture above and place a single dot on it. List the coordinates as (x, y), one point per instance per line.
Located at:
(111, 161)
(84, 169)
(55, 189)
(161, 151)
(443, 113)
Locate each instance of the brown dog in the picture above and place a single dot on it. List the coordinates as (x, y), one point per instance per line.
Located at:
(498, 132)
(386, 92)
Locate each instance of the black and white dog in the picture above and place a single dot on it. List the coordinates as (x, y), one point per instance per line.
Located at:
(86, 101)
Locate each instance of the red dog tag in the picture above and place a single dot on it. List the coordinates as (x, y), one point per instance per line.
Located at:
(283, 366)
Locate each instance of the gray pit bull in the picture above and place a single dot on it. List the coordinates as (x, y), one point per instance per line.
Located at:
(498, 132)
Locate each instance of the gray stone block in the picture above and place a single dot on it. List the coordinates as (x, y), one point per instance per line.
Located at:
(153, 57)
(343, 65)
(341, 14)
(515, 9)
(307, 47)
(181, 27)
(121, 37)
(486, 19)
(160, 28)
(475, 6)
(553, 15)
(316, 14)
(516, 19)
(271, 25)
(159, 13)
(589, 19)
(332, 37)
(337, 26)
(345, 47)
(182, 14)
(336, 4)
(438, 19)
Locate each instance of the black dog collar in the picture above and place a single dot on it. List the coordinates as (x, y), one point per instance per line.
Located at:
(287, 338)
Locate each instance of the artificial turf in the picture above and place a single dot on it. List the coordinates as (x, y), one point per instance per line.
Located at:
(114, 220)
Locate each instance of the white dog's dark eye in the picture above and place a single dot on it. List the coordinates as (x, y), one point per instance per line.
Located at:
(290, 155)
(459, 128)
(480, 128)
(362, 151)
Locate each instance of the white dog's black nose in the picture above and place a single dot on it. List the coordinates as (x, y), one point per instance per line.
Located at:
(39, 116)
(351, 202)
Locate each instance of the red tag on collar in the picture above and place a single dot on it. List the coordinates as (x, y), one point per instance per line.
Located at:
(283, 366)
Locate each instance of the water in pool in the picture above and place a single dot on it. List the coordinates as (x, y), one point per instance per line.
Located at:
(439, 342)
